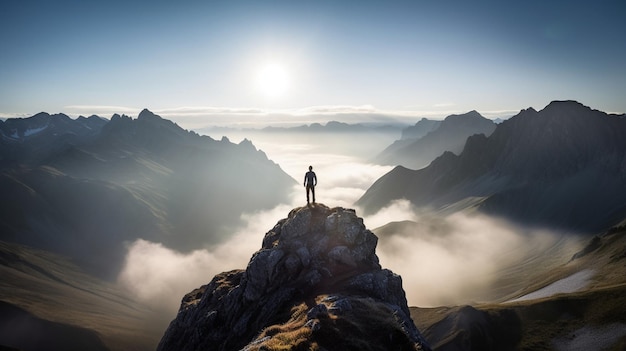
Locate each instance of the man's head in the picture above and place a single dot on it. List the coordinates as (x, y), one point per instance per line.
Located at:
(310, 168)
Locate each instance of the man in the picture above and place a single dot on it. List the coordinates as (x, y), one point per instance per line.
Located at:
(310, 181)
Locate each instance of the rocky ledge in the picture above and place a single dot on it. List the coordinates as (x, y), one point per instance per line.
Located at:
(315, 284)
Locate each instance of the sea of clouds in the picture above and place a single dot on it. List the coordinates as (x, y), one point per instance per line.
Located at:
(448, 260)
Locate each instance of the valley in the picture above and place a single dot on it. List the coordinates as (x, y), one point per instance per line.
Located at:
(474, 240)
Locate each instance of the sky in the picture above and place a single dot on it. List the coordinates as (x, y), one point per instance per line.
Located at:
(231, 62)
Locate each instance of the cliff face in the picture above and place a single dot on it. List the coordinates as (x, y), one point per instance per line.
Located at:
(315, 284)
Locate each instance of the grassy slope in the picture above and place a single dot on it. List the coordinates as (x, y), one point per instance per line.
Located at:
(51, 288)
(536, 324)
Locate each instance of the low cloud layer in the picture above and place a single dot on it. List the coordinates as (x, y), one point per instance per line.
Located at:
(160, 276)
(442, 260)
(464, 258)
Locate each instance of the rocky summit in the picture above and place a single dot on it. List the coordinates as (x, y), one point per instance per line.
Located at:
(315, 284)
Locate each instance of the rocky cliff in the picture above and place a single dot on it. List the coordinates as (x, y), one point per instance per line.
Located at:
(315, 284)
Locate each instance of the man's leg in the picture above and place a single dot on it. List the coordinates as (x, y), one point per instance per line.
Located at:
(313, 192)
(307, 193)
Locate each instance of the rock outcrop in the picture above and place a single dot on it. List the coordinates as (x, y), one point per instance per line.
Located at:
(315, 284)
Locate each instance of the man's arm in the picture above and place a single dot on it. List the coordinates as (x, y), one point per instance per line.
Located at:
(314, 179)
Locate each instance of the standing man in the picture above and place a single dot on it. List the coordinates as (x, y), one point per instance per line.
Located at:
(310, 181)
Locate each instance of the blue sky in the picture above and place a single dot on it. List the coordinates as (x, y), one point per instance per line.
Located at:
(200, 59)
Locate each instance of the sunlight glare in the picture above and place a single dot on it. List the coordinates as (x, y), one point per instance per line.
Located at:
(273, 80)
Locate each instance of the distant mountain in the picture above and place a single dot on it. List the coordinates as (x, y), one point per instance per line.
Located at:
(449, 135)
(329, 127)
(86, 187)
(420, 129)
(315, 283)
(35, 138)
(564, 166)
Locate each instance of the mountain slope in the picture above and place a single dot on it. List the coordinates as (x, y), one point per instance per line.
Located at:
(450, 135)
(564, 166)
(133, 178)
(48, 303)
(591, 317)
(420, 129)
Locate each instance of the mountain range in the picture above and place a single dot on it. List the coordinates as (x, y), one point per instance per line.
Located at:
(85, 187)
(76, 191)
(561, 167)
(331, 127)
(426, 140)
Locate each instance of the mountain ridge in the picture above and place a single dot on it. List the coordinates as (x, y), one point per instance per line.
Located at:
(535, 168)
(449, 135)
(133, 178)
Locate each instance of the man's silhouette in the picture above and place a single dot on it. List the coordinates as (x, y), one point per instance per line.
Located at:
(310, 181)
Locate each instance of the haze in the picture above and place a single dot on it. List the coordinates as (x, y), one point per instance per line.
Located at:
(445, 261)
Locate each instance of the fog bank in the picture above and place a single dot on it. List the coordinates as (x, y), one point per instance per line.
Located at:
(442, 260)
(463, 258)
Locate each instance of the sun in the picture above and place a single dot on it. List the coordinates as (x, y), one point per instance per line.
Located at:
(272, 80)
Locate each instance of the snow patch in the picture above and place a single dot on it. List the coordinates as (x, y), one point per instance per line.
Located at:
(31, 131)
(573, 283)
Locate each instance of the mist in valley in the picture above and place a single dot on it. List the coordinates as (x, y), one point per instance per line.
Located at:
(458, 259)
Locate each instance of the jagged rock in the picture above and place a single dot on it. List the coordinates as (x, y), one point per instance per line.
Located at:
(316, 279)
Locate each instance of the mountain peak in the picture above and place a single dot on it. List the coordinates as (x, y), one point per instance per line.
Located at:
(468, 116)
(146, 114)
(565, 103)
(317, 270)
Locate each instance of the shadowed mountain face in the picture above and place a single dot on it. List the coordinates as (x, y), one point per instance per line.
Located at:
(98, 185)
(448, 135)
(564, 167)
(420, 129)
(20, 329)
(48, 303)
(315, 284)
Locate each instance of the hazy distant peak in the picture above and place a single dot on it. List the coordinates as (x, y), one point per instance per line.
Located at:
(116, 117)
(46, 115)
(528, 110)
(565, 104)
(146, 114)
(247, 143)
(471, 115)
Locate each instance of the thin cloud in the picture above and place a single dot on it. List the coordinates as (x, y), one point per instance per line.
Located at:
(460, 259)
(100, 110)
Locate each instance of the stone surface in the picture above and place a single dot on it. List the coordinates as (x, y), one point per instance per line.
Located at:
(318, 257)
